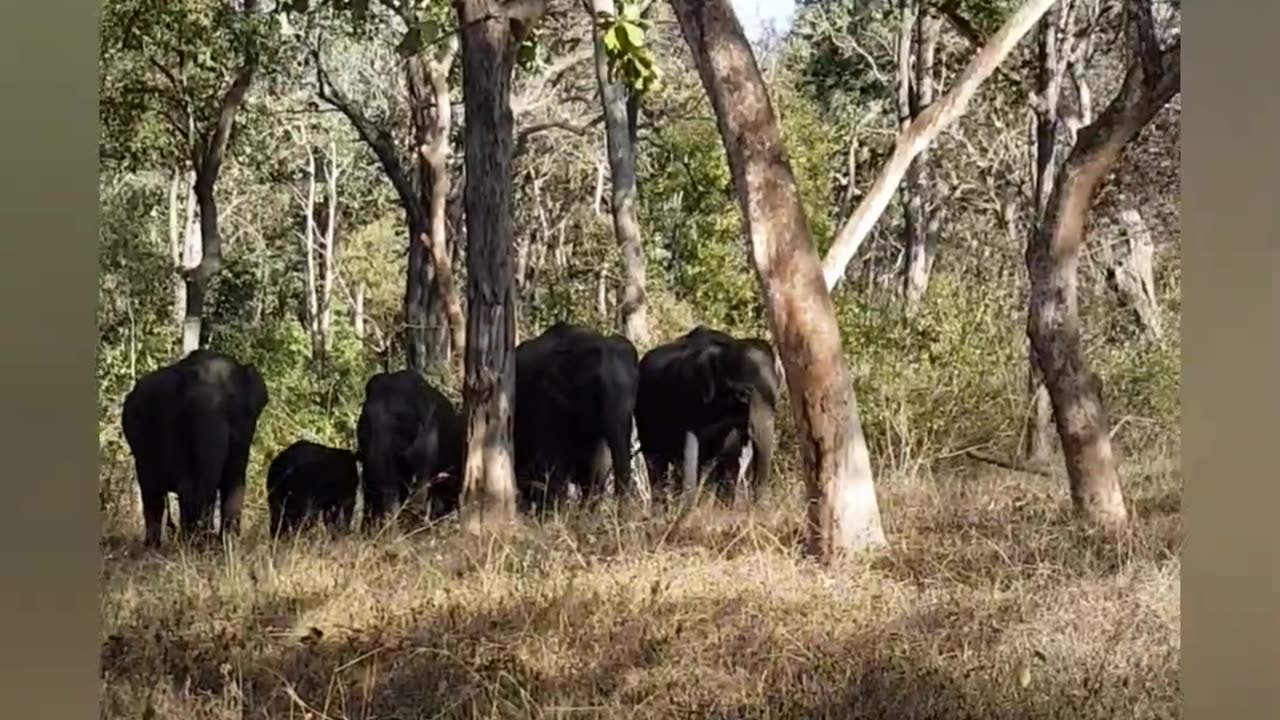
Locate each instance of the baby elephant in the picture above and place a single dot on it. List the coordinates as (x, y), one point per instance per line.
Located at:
(308, 479)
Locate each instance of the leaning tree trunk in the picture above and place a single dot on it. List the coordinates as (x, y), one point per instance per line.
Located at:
(633, 314)
(843, 511)
(491, 34)
(207, 157)
(1053, 321)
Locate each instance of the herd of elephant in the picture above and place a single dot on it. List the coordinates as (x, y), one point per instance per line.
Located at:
(697, 401)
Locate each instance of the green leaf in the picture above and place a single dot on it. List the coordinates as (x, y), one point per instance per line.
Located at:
(634, 33)
(611, 41)
(631, 11)
(411, 43)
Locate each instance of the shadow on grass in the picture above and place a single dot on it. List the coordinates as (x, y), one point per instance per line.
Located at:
(700, 657)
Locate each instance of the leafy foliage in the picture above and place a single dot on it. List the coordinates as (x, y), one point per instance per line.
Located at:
(626, 45)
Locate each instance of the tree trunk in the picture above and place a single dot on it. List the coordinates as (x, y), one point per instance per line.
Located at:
(420, 344)
(633, 313)
(1038, 442)
(916, 138)
(1132, 275)
(312, 310)
(330, 252)
(358, 311)
(491, 34)
(207, 158)
(182, 210)
(843, 513)
(1053, 323)
(428, 81)
(921, 231)
(418, 348)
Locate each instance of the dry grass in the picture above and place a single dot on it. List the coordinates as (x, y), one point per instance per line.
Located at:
(990, 604)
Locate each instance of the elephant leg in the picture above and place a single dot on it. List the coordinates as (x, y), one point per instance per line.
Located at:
(154, 505)
(656, 467)
(195, 510)
(231, 500)
(232, 487)
(274, 507)
(620, 457)
(762, 437)
(209, 443)
(374, 506)
(597, 473)
(344, 515)
(690, 466)
(728, 464)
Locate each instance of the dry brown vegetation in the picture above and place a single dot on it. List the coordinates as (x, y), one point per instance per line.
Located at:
(990, 603)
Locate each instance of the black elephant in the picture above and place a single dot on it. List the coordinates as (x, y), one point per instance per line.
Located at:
(189, 426)
(410, 441)
(703, 397)
(575, 397)
(309, 481)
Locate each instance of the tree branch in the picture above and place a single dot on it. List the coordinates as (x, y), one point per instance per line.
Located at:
(922, 130)
(527, 132)
(376, 138)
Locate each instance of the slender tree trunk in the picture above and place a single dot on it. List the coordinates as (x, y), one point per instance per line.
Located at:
(633, 313)
(207, 159)
(843, 511)
(330, 252)
(1053, 322)
(491, 34)
(921, 227)
(309, 235)
(358, 311)
(428, 81)
(181, 215)
(910, 143)
(1039, 439)
(417, 299)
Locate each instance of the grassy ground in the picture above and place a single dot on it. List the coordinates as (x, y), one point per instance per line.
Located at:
(990, 604)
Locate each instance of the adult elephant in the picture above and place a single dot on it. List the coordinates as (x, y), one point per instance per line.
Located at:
(575, 396)
(410, 439)
(189, 426)
(702, 398)
(309, 481)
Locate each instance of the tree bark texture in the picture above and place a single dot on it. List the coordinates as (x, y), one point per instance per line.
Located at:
(843, 513)
(1038, 441)
(1152, 78)
(428, 82)
(1132, 275)
(633, 313)
(491, 34)
(916, 138)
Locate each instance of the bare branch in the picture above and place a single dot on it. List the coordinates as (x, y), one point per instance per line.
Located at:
(525, 133)
(933, 120)
(376, 138)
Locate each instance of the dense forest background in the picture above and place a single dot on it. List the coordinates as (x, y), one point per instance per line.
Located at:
(313, 278)
(310, 134)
